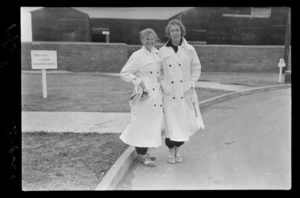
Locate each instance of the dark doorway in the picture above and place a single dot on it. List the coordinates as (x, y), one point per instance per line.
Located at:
(100, 35)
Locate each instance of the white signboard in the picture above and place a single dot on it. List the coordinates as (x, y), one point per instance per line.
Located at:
(105, 32)
(43, 59)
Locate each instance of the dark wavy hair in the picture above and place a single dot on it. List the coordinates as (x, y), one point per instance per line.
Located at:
(175, 22)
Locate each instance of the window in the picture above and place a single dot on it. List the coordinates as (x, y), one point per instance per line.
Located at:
(255, 12)
(261, 12)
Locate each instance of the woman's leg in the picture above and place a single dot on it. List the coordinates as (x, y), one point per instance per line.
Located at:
(178, 156)
(141, 150)
(171, 156)
(174, 154)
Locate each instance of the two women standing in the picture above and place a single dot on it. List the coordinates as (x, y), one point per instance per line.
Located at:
(168, 76)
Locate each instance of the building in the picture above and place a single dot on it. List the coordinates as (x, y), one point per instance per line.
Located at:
(60, 24)
(210, 25)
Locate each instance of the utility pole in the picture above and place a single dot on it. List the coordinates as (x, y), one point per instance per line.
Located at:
(288, 70)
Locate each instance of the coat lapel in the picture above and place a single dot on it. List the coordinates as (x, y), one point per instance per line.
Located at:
(173, 54)
(147, 59)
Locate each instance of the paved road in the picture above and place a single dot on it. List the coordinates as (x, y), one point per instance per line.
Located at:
(246, 145)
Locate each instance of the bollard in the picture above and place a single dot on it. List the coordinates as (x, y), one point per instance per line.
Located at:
(281, 64)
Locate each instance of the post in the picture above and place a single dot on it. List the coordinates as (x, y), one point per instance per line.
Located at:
(107, 38)
(281, 65)
(44, 83)
(287, 71)
(280, 74)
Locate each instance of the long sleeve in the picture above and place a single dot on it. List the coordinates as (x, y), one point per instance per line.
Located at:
(130, 68)
(195, 68)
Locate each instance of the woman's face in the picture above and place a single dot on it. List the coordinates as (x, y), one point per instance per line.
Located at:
(148, 41)
(175, 32)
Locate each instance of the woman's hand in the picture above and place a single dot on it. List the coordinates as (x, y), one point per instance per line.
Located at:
(142, 84)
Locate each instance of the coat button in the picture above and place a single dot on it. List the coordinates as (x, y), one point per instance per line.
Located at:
(181, 97)
(173, 97)
(170, 65)
(161, 105)
(172, 81)
(153, 89)
(179, 64)
(181, 81)
(151, 72)
(155, 105)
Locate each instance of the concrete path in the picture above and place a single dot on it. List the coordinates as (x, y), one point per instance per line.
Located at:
(246, 144)
(74, 122)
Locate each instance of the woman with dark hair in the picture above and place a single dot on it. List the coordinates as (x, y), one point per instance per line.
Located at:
(143, 69)
(181, 70)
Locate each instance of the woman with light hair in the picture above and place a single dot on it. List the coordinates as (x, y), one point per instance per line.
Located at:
(181, 70)
(143, 69)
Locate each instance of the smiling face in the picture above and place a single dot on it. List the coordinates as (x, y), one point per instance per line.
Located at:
(148, 41)
(175, 33)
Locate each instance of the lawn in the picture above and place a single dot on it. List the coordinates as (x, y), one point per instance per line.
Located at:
(67, 161)
(83, 92)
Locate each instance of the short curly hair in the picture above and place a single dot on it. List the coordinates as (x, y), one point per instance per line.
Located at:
(146, 32)
(175, 22)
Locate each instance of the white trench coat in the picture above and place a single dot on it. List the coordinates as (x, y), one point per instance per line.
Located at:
(146, 124)
(181, 71)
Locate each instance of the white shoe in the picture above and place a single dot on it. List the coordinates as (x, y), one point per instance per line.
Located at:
(178, 157)
(171, 157)
(144, 159)
(150, 156)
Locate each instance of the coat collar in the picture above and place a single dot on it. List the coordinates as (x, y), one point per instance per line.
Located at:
(185, 44)
(153, 50)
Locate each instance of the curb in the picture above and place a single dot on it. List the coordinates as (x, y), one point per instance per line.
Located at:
(121, 166)
(208, 102)
(117, 171)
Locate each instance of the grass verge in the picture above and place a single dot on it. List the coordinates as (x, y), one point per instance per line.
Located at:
(67, 161)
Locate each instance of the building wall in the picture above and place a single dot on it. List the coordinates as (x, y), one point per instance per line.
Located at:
(209, 24)
(60, 24)
(127, 30)
(102, 57)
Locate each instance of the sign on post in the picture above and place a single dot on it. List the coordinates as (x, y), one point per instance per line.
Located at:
(44, 59)
(281, 64)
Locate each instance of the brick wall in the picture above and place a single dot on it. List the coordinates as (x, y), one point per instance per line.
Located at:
(102, 57)
(80, 57)
(240, 58)
(235, 58)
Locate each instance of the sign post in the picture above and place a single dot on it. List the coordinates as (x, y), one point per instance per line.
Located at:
(44, 83)
(281, 64)
(44, 59)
